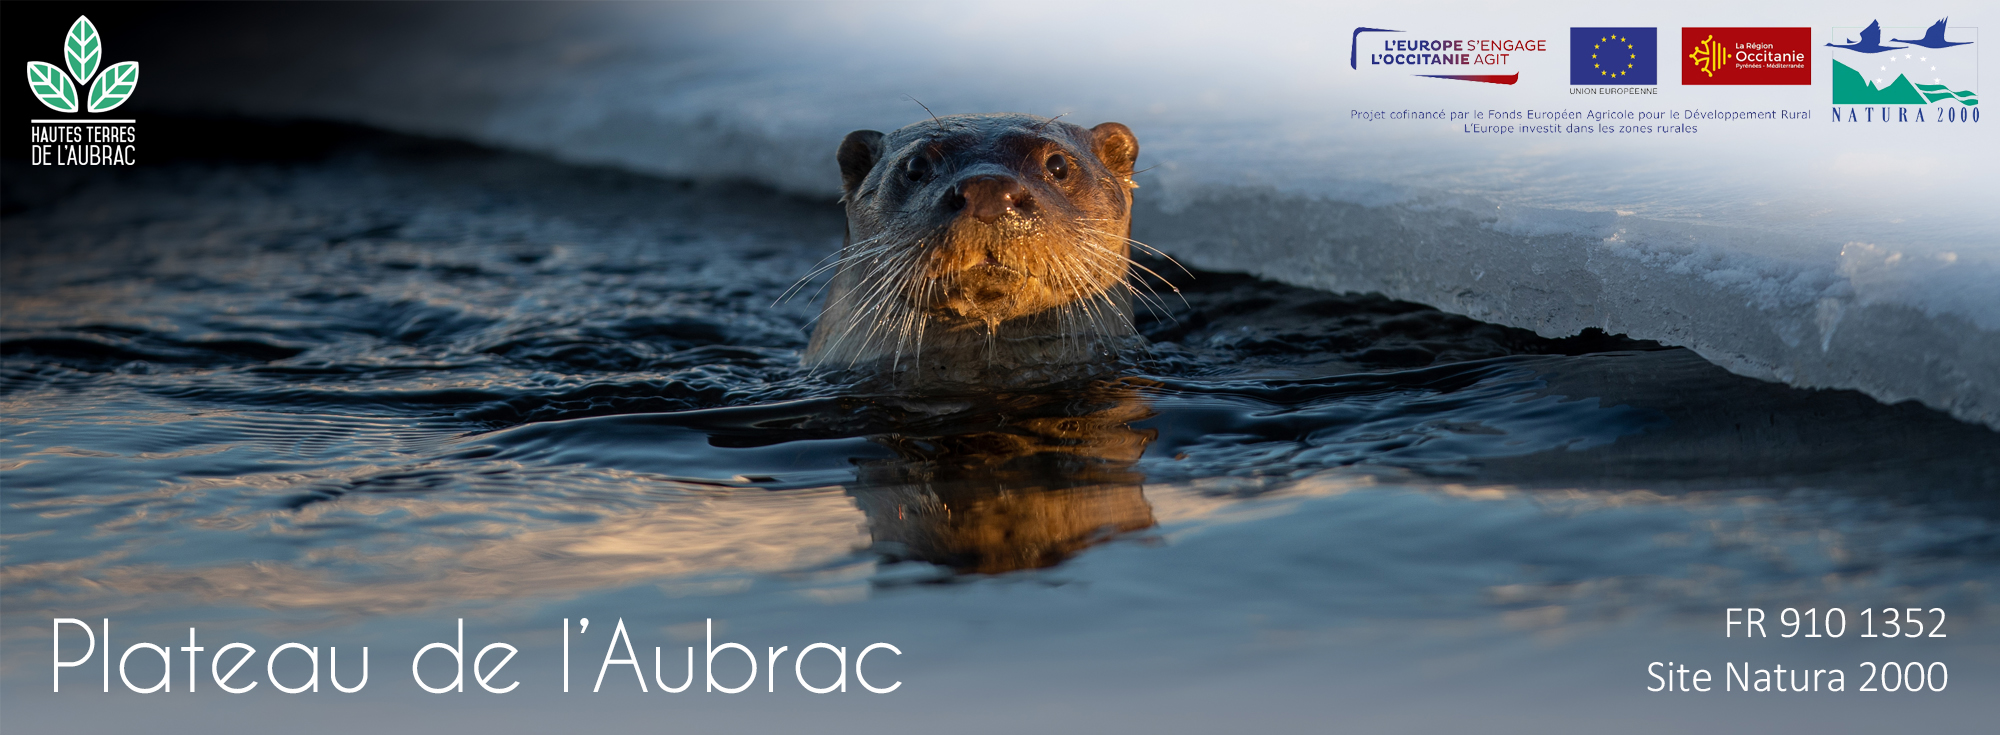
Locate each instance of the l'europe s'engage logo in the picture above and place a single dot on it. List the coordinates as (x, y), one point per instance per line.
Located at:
(1905, 73)
(83, 82)
(1485, 58)
(1614, 60)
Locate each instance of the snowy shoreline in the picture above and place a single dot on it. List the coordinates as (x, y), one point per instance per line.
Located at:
(1752, 245)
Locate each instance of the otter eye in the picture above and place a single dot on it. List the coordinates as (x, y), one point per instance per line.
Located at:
(1058, 166)
(918, 168)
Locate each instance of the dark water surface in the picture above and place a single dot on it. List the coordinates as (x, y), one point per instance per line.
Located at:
(349, 399)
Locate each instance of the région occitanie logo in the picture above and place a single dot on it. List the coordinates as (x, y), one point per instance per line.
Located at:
(82, 52)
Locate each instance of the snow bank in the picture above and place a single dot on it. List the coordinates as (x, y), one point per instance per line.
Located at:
(1812, 252)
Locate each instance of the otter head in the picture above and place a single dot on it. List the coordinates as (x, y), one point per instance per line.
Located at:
(971, 237)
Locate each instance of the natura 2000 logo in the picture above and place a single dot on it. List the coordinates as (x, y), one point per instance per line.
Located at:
(83, 50)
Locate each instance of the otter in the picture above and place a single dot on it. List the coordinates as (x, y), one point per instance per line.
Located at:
(981, 250)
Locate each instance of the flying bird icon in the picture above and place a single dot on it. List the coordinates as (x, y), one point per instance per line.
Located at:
(1871, 40)
(1933, 38)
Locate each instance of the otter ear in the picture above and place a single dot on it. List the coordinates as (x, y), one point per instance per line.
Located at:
(1115, 146)
(858, 154)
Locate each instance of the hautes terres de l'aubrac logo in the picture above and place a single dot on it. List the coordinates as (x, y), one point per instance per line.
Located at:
(83, 51)
(83, 84)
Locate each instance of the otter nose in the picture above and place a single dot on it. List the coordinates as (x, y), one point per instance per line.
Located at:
(989, 196)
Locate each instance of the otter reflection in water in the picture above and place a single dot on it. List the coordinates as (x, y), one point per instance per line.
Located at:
(1023, 482)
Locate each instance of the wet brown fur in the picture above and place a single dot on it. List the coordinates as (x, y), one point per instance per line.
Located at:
(933, 287)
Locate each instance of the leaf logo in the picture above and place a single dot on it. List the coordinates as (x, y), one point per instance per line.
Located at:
(83, 50)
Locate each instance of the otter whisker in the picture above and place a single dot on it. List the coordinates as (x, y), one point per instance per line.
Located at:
(1073, 273)
(927, 109)
(1162, 255)
(871, 296)
(1162, 279)
(800, 284)
(1148, 248)
(845, 256)
(875, 317)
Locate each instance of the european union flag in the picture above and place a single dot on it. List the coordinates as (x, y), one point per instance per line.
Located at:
(1614, 56)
